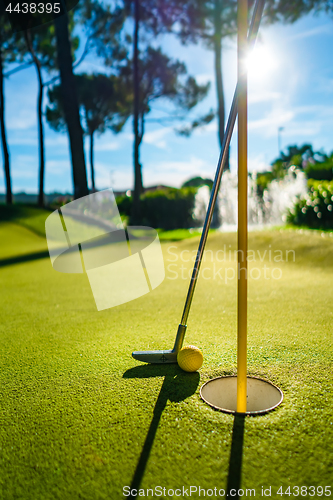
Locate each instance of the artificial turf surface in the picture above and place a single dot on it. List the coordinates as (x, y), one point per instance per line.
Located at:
(80, 419)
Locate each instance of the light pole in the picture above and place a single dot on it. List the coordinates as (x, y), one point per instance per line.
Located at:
(111, 178)
(280, 129)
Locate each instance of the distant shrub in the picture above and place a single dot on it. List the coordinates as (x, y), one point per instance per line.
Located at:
(262, 181)
(198, 182)
(297, 160)
(320, 171)
(316, 165)
(316, 209)
(60, 201)
(124, 204)
(168, 208)
(320, 185)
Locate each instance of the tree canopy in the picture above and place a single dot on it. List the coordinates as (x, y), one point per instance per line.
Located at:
(105, 102)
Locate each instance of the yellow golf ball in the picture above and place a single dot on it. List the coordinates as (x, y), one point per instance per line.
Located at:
(190, 358)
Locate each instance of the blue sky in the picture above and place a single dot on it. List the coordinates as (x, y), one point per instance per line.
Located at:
(290, 86)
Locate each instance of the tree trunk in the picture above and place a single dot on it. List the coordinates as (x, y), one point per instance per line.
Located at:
(5, 152)
(218, 73)
(41, 139)
(92, 160)
(40, 119)
(138, 187)
(71, 107)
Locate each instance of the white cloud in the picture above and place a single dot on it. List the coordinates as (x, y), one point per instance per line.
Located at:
(21, 100)
(258, 163)
(23, 174)
(272, 121)
(207, 129)
(157, 137)
(319, 30)
(127, 136)
(25, 159)
(118, 177)
(26, 140)
(58, 140)
(295, 125)
(58, 167)
(204, 78)
(91, 67)
(314, 109)
(22, 119)
(326, 85)
(309, 128)
(107, 146)
(327, 112)
(174, 173)
(264, 95)
(22, 188)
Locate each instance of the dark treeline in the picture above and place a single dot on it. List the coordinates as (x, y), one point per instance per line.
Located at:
(124, 35)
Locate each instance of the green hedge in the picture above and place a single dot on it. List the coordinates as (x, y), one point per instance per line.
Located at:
(263, 180)
(320, 171)
(169, 208)
(124, 204)
(316, 209)
(198, 182)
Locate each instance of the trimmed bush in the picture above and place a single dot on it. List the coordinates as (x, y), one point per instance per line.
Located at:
(198, 182)
(320, 171)
(263, 180)
(124, 204)
(316, 209)
(169, 208)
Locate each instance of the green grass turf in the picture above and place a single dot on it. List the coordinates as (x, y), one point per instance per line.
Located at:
(28, 216)
(80, 418)
(178, 234)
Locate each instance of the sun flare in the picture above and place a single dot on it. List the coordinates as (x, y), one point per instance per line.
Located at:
(261, 62)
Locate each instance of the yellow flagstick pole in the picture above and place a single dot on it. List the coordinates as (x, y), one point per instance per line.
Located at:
(242, 210)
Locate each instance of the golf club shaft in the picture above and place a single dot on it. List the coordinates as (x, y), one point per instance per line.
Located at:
(252, 36)
(171, 356)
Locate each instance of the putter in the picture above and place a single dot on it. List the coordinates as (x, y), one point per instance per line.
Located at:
(170, 356)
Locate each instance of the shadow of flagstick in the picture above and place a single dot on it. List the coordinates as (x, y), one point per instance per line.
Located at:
(236, 456)
(177, 386)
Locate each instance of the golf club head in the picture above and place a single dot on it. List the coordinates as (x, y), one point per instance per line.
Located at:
(163, 356)
(156, 356)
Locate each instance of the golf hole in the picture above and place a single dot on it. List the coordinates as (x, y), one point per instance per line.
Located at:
(221, 394)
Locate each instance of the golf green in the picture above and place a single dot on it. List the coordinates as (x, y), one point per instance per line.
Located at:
(80, 419)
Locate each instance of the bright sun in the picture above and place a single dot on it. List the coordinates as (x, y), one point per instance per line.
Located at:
(261, 62)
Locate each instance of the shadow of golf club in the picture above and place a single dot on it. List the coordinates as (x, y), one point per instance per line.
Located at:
(236, 455)
(19, 259)
(177, 386)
